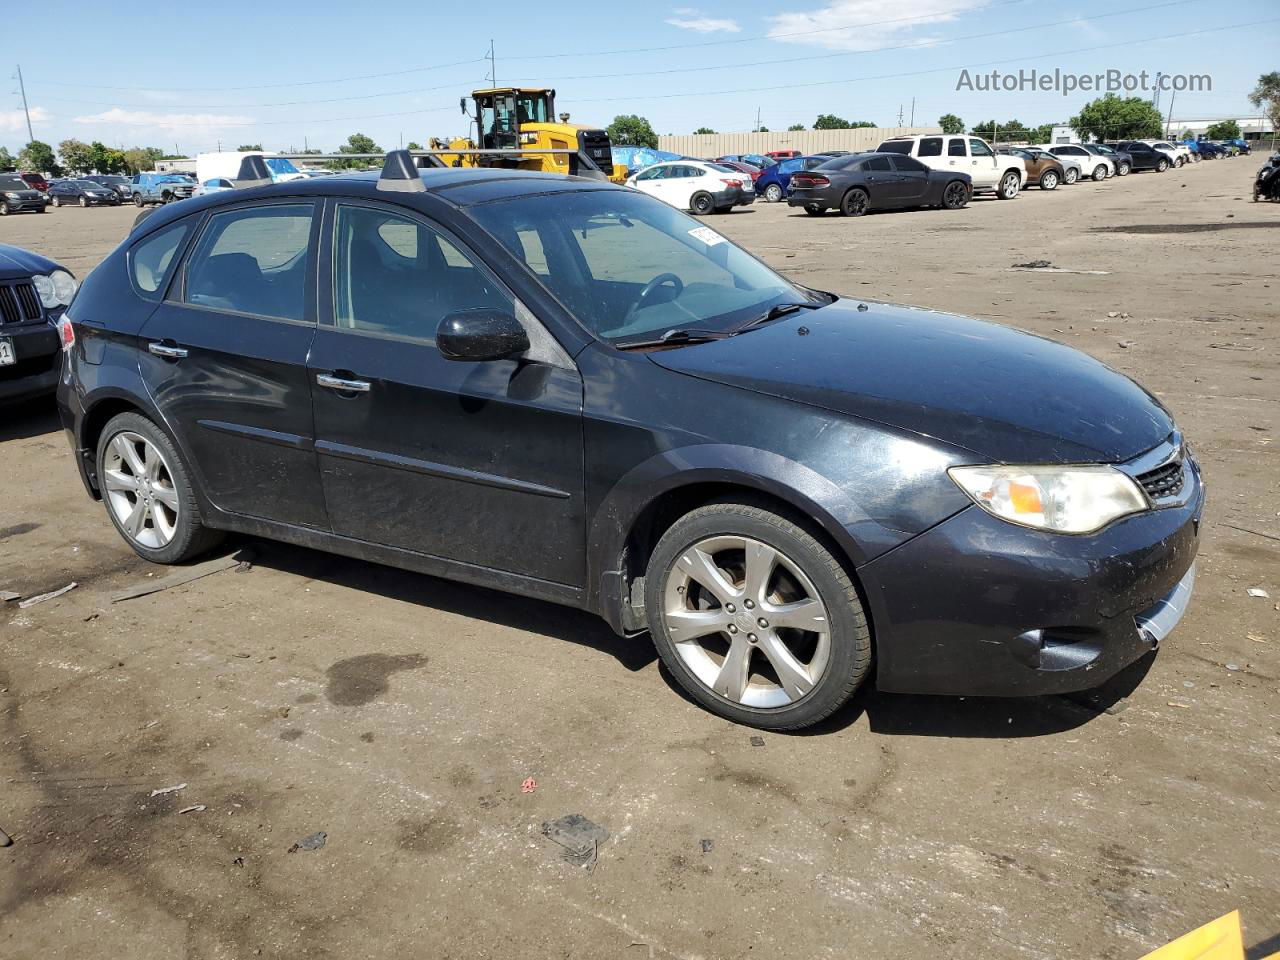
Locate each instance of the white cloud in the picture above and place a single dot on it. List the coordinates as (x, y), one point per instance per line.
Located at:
(15, 121)
(861, 24)
(173, 124)
(690, 18)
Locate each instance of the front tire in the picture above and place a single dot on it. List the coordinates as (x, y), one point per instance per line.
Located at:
(57, 201)
(1099, 173)
(755, 618)
(1009, 186)
(854, 203)
(137, 200)
(773, 193)
(148, 492)
(954, 195)
(1123, 170)
(1072, 176)
(84, 201)
(1049, 180)
(701, 204)
(1162, 165)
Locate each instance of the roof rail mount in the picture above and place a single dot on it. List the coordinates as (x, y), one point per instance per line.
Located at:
(253, 172)
(400, 173)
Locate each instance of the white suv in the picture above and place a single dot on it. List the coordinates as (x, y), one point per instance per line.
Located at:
(992, 172)
(1093, 165)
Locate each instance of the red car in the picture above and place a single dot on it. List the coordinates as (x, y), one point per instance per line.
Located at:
(752, 171)
(35, 181)
(784, 154)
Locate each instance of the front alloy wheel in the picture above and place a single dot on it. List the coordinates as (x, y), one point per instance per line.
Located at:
(1072, 175)
(955, 196)
(1123, 171)
(1008, 186)
(1049, 180)
(1099, 173)
(755, 618)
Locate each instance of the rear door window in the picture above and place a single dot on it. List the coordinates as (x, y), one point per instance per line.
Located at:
(254, 261)
(955, 147)
(909, 165)
(930, 147)
(877, 163)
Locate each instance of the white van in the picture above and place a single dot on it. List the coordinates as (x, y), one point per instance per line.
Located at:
(1001, 174)
(214, 166)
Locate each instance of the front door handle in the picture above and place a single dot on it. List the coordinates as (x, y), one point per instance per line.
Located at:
(331, 382)
(168, 351)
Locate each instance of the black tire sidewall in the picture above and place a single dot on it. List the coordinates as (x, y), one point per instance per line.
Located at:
(850, 640)
(191, 538)
(701, 204)
(846, 207)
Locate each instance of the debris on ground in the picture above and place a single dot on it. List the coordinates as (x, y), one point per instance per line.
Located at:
(41, 598)
(194, 808)
(1031, 265)
(179, 577)
(1126, 344)
(1233, 667)
(1258, 592)
(161, 791)
(528, 785)
(707, 845)
(7, 595)
(5, 839)
(1255, 638)
(1175, 703)
(238, 862)
(579, 837)
(312, 841)
(757, 741)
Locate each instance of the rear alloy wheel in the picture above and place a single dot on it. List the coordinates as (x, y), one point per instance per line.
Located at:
(702, 204)
(1123, 170)
(57, 201)
(773, 193)
(1099, 173)
(148, 493)
(755, 618)
(1072, 175)
(854, 203)
(955, 195)
(1162, 165)
(1049, 180)
(1009, 185)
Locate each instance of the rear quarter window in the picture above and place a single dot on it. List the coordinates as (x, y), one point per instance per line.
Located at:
(152, 259)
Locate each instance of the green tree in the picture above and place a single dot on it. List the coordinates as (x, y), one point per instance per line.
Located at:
(829, 121)
(141, 159)
(77, 156)
(630, 130)
(1223, 130)
(103, 159)
(246, 147)
(1117, 118)
(1266, 97)
(794, 127)
(6, 159)
(356, 143)
(762, 129)
(1042, 133)
(38, 156)
(414, 145)
(950, 123)
(702, 130)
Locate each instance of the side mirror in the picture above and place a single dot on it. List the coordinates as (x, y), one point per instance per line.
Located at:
(481, 334)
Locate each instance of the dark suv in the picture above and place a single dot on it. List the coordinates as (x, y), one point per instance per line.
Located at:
(570, 390)
(1143, 156)
(33, 293)
(17, 196)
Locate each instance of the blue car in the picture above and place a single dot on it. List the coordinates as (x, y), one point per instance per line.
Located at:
(775, 183)
(1209, 150)
(755, 159)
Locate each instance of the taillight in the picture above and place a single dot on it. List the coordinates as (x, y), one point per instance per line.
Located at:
(731, 183)
(66, 332)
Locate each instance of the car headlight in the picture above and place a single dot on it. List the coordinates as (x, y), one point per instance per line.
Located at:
(12, 196)
(1066, 499)
(55, 290)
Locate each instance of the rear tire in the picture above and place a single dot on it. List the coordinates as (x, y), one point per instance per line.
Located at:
(1010, 183)
(1049, 180)
(57, 201)
(1122, 170)
(1099, 173)
(854, 203)
(1162, 165)
(137, 200)
(170, 530)
(1072, 176)
(701, 203)
(84, 201)
(753, 556)
(773, 193)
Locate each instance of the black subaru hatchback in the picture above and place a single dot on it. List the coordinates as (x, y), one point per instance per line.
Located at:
(566, 389)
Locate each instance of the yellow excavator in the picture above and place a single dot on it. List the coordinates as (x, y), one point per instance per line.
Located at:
(512, 124)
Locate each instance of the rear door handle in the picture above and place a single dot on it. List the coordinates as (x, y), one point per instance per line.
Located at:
(331, 382)
(167, 351)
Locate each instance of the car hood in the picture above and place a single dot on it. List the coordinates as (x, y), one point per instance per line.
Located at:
(1003, 394)
(16, 263)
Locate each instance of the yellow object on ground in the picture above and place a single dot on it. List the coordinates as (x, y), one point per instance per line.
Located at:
(1219, 940)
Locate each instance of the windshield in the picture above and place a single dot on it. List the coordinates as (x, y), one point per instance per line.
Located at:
(631, 268)
(13, 183)
(175, 178)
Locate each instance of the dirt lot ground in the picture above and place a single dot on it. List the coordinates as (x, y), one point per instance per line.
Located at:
(400, 714)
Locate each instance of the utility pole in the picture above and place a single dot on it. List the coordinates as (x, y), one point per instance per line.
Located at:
(899, 116)
(913, 111)
(22, 88)
(1169, 119)
(493, 65)
(757, 119)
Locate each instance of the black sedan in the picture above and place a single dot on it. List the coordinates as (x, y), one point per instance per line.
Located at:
(34, 291)
(86, 193)
(17, 196)
(570, 390)
(863, 182)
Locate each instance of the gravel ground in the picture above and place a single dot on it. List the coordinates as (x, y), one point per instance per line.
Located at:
(400, 714)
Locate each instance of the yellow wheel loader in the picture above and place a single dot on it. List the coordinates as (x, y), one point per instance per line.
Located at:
(523, 120)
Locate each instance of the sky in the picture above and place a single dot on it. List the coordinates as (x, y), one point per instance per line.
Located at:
(310, 74)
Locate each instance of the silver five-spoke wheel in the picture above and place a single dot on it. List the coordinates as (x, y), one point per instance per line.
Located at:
(138, 484)
(747, 621)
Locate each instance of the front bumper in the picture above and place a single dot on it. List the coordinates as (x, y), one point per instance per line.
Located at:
(980, 607)
(18, 206)
(37, 349)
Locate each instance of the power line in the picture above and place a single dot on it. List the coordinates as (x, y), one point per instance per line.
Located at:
(251, 106)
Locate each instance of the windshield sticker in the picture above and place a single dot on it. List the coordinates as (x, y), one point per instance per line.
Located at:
(706, 235)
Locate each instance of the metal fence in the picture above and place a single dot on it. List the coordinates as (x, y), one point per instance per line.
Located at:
(806, 141)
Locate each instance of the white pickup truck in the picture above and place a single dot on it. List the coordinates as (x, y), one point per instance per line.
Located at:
(1001, 174)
